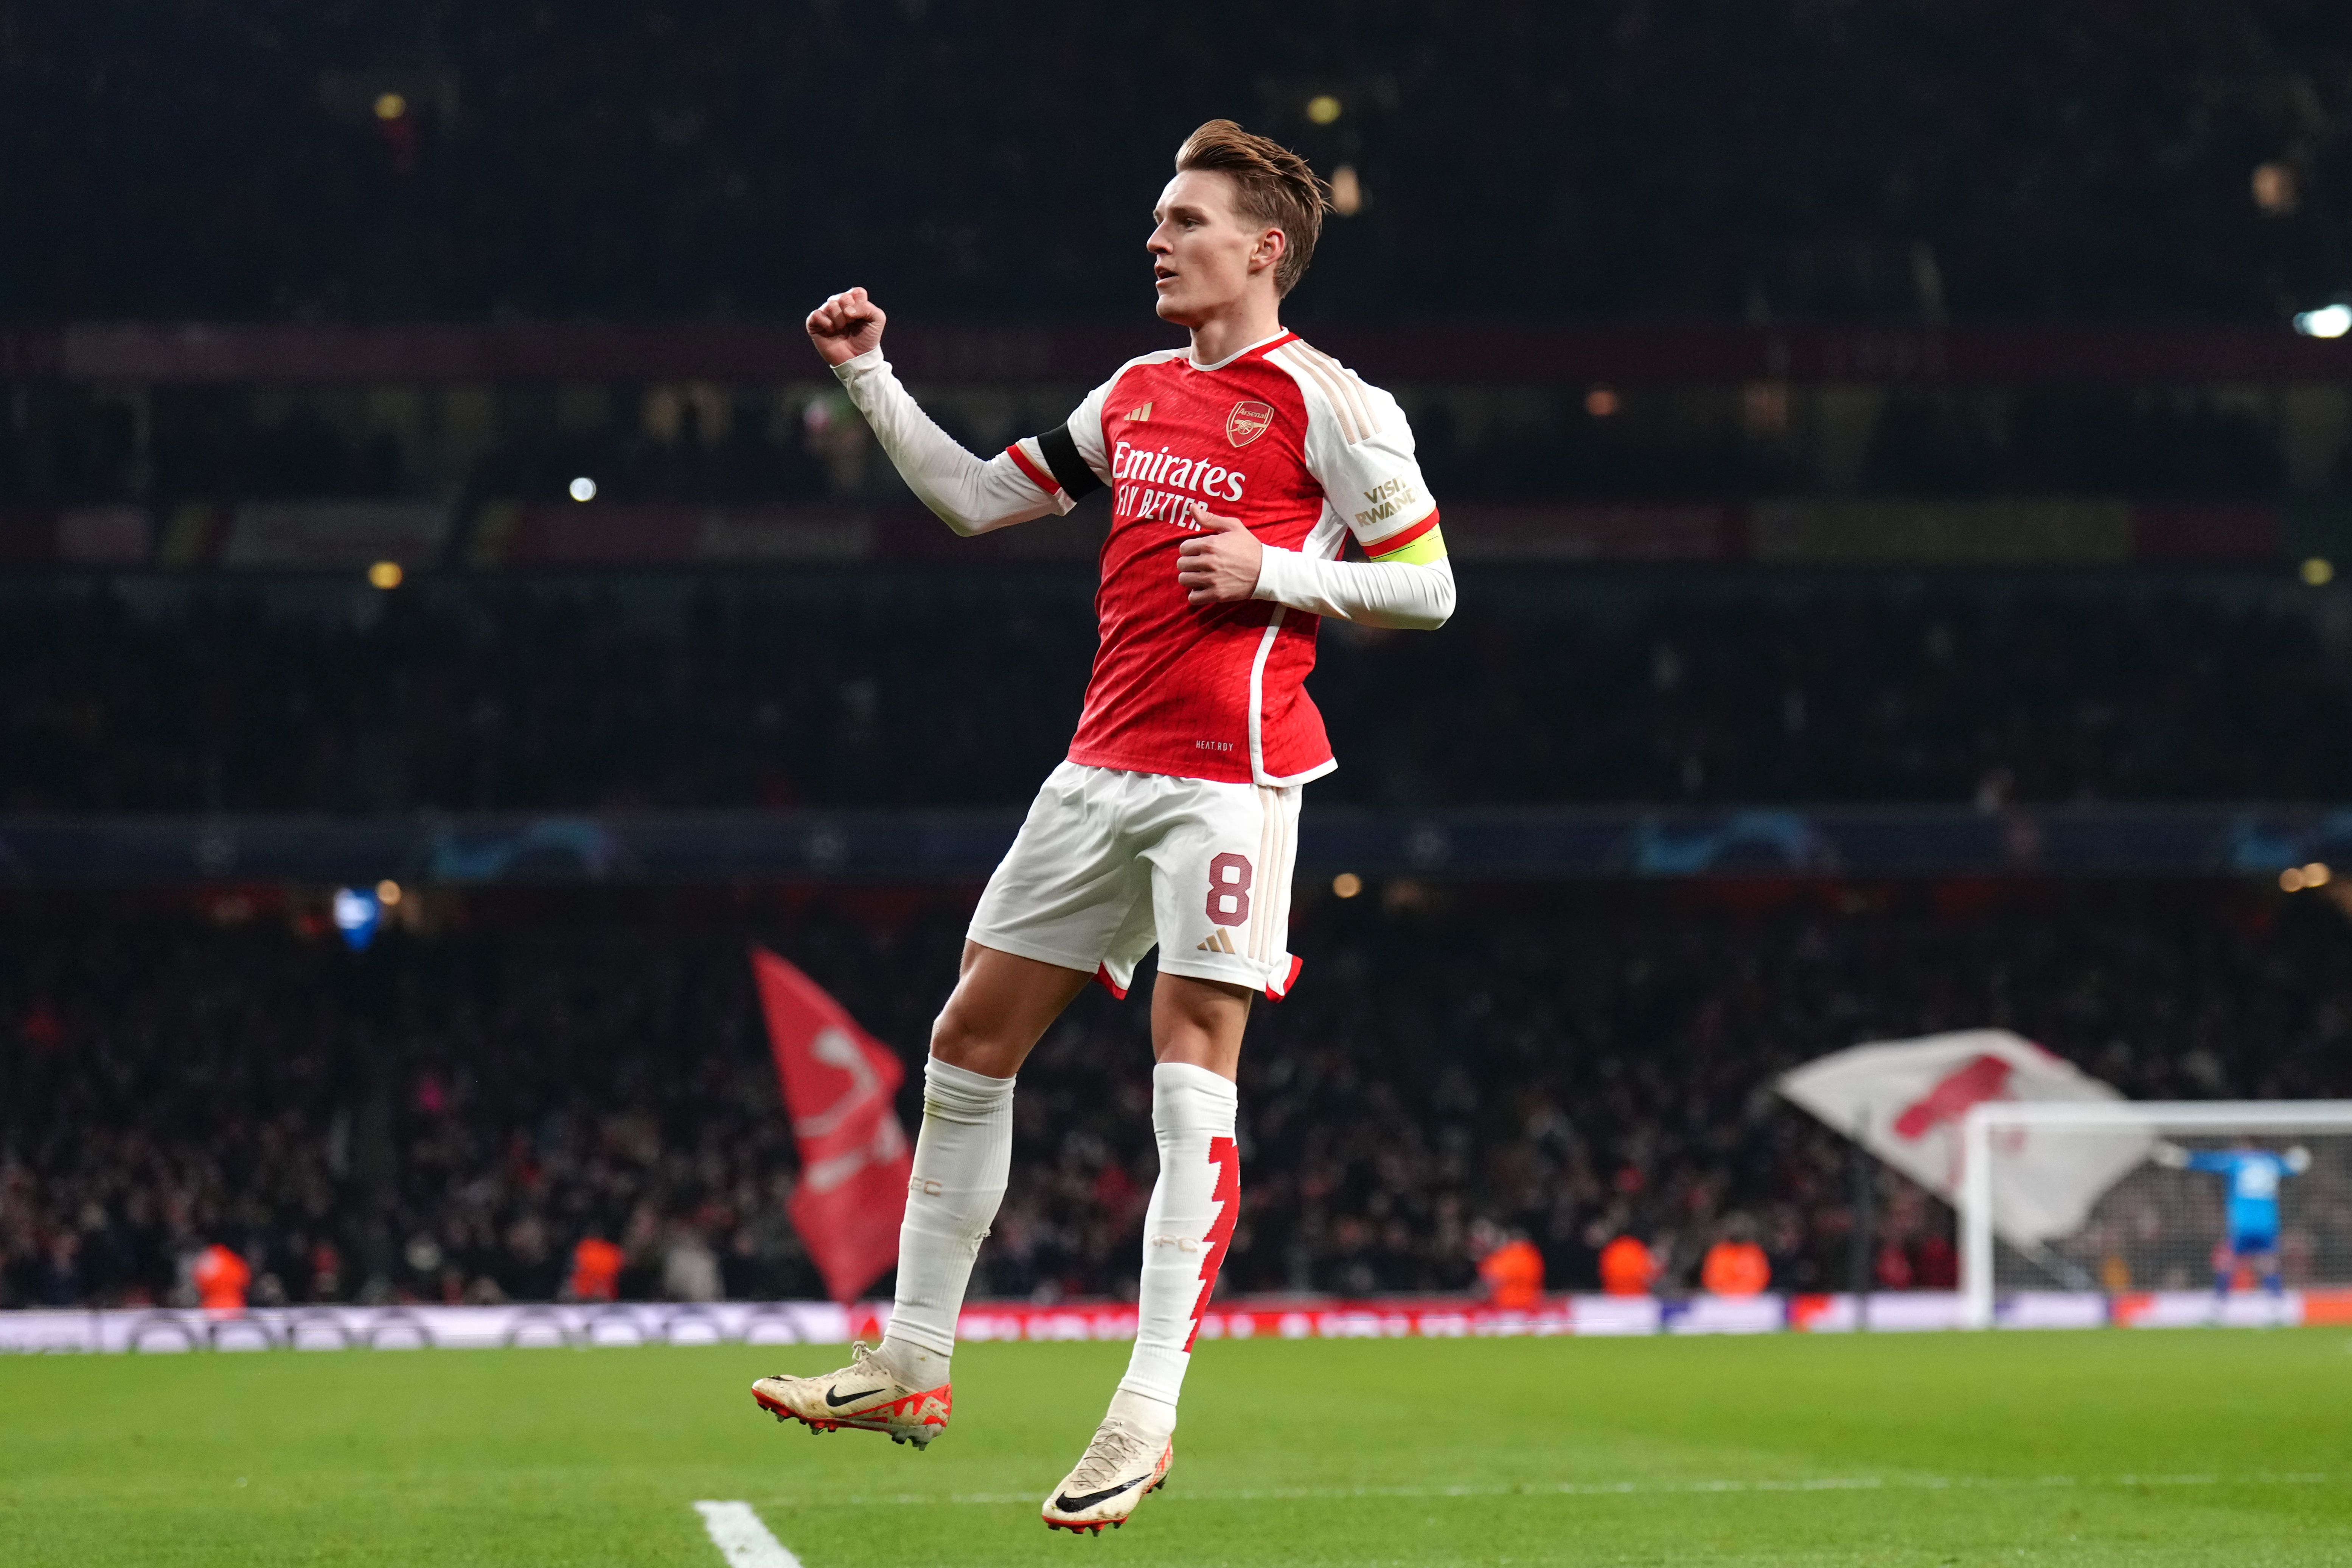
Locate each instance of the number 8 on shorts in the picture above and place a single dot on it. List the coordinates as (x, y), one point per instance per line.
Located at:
(1229, 889)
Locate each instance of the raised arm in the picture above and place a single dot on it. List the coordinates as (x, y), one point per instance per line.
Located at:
(968, 494)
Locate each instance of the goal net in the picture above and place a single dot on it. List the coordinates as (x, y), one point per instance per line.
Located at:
(2229, 1198)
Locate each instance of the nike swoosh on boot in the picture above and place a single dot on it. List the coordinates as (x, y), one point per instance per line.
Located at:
(1069, 1504)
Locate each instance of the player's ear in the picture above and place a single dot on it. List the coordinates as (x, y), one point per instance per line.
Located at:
(1267, 253)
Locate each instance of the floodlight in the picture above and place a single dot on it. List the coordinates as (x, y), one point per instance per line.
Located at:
(358, 913)
(1346, 191)
(2328, 322)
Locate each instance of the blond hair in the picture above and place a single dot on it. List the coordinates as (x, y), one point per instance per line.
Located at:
(1272, 186)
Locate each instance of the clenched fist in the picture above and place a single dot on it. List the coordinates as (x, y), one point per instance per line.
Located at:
(846, 326)
(1221, 563)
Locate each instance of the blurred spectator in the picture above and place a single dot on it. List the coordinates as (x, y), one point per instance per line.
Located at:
(61, 1282)
(528, 1272)
(326, 1281)
(220, 1277)
(1628, 1267)
(2115, 1273)
(1936, 1262)
(1510, 1266)
(1735, 1265)
(689, 1268)
(595, 1271)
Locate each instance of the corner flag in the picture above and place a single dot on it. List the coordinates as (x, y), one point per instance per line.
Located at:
(838, 1084)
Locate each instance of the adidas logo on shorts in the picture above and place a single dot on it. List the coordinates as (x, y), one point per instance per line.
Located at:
(1220, 940)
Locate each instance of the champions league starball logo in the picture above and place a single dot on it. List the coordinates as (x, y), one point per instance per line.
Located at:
(1247, 422)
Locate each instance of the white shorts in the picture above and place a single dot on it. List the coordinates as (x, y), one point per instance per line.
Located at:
(1108, 863)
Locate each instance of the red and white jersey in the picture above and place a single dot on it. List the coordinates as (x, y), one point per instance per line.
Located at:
(1299, 449)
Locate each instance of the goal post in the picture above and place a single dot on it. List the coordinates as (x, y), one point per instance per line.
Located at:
(2157, 1224)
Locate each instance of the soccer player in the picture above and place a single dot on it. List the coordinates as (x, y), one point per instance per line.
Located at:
(1240, 469)
(2254, 1176)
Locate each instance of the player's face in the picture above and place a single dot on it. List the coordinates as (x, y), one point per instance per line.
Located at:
(1204, 254)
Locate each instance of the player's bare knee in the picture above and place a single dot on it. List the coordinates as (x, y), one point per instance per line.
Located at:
(952, 1040)
(959, 1042)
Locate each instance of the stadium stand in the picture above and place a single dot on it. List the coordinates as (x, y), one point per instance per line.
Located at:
(1900, 162)
(886, 690)
(446, 1115)
(771, 437)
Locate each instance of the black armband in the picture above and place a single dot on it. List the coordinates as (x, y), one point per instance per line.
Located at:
(1069, 470)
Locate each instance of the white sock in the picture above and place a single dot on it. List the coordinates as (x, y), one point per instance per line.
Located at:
(1194, 1204)
(963, 1157)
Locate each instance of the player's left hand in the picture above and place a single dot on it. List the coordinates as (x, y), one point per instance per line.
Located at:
(1220, 564)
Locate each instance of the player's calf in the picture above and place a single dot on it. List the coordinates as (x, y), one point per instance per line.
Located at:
(865, 1395)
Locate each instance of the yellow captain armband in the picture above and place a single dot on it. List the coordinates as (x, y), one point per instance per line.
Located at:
(1420, 550)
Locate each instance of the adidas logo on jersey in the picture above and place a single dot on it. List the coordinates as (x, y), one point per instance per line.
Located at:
(1138, 416)
(1220, 940)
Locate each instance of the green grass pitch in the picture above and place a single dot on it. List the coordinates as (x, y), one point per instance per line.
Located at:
(2079, 1447)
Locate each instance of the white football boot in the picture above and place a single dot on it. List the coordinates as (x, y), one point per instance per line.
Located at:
(1119, 1470)
(865, 1395)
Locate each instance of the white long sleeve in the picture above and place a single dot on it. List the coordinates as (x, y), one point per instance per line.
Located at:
(1404, 596)
(969, 495)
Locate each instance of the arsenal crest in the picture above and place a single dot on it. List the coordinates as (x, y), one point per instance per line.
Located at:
(1247, 422)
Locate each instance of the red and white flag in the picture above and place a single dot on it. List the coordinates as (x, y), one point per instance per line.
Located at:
(1905, 1101)
(839, 1083)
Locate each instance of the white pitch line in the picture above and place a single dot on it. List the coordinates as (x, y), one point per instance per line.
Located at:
(1600, 1489)
(741, 1538)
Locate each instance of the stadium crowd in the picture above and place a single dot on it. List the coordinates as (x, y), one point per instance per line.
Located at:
(451, 1114)
(760, 445)
(888, 690)
(2008, 159)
